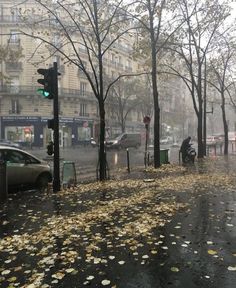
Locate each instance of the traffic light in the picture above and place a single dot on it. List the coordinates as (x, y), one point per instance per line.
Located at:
(51, 124)
(50, 148)
(48, 83)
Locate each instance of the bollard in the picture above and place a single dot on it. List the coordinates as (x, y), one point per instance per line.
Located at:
(3, 181)
(128, 166)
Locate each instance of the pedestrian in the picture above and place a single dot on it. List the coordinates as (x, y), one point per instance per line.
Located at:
(184, 147)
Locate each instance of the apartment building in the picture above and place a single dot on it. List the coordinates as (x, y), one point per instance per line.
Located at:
(23, 112)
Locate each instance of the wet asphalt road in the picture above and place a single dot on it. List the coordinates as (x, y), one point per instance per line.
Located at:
(195, 248)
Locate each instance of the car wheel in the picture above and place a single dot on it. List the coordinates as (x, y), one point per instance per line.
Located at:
(42, 182)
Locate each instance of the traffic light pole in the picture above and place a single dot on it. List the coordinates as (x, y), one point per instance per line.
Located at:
(56, 158)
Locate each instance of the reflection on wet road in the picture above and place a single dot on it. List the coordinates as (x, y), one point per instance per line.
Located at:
(172, 231)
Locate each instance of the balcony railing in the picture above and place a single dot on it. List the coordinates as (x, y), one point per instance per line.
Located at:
(82, 114)
(6, 19)
(17, 111)
(32, 90)
(13, 66)
(14, 42)
(128, 68)
(9, 19)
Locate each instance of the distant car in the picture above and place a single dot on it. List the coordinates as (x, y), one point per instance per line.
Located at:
(175, 144)
(213, 140)
(166, 140)
(23, 144)
(9, 143)
(124, 140)
(24, 169)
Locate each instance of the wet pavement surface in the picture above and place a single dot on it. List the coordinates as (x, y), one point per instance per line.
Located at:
(176, 228)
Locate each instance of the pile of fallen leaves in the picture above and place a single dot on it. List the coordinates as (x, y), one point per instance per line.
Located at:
(123, 214)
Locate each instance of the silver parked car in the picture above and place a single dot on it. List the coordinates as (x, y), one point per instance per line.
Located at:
(24, 169)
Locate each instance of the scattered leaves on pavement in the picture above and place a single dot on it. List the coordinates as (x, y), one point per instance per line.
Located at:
(120, 217)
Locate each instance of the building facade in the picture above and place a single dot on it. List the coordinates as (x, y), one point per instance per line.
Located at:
(23, 112)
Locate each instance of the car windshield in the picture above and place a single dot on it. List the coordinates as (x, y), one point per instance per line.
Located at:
(118, 137)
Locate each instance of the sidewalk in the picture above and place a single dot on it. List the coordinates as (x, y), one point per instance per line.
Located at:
(171, 227)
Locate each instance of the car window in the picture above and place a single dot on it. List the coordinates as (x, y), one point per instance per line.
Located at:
(15, 156)
(31, 160)
(1, 155)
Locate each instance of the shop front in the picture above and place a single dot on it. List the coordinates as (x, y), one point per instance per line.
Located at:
(25, 130)
(34, 132)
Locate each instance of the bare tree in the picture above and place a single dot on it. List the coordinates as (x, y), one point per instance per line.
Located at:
(193, 42)
(92, 25)
(156, 30)
(123, 100)
(144, 95)
(221, 66)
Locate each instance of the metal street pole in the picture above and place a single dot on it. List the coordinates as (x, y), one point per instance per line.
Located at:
(56, 158)
(146, 121)
(204, 107)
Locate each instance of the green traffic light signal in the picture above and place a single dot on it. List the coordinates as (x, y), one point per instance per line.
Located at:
(48, 83)
(42, 92)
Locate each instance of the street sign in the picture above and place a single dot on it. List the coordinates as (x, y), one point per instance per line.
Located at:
(146, 119)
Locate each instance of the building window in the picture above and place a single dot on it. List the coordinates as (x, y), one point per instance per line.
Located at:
(83, 88)
(83, 110)
(128, 66)
(82, 48)
(14, 37)
(14, 14)
(14, 85)
(113, 59)
(15, 107)
(56, 40)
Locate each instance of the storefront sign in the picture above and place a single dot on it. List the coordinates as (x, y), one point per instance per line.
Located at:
(20, 118)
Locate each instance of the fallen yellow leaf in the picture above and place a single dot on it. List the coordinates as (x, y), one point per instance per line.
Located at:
(212, 252)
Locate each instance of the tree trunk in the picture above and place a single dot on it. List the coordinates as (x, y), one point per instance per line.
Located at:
(122, 125)
(157, 160)
(204, 107)
(226, 140)
(200, 115)
(199, 131)
(102, 154)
